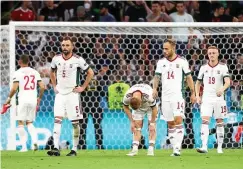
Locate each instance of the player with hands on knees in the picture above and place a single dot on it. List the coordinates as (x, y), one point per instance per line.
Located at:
(139, 98)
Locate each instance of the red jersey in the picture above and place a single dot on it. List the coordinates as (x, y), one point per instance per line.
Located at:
(20, 14)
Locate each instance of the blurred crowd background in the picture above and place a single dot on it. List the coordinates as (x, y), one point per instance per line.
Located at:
(129, 58)
(122, 11)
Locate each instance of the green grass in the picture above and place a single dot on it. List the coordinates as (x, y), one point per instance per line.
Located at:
(116, 159)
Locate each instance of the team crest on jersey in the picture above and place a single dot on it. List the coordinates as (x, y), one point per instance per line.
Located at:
(59, 64)
(206, 71)
(71, 65)
(164, 65)
(218, 71)
(177, 65)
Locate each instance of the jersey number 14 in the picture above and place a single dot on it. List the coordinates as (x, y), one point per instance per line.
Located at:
(171, 75)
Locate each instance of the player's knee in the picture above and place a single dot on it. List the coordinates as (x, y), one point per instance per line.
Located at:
(178, 120)
(20, 122)
(220, 123)
(58, 120)
(205, 120)
(219, 120)
(171, 124)
(28, 122)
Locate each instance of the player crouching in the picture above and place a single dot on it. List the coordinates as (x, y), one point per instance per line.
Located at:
(139, 97)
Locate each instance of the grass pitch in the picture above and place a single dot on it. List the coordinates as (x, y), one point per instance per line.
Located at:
(117, 159)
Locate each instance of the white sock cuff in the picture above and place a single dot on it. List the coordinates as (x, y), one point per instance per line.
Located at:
(57, 128)
(220, 124)
(151, 141)
(135, 142)
(179, 126)
(170, 131)
(138, 129)
(21, 126)
(58, 120)
(205, 122)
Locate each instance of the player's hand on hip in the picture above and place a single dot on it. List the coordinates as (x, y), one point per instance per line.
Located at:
(220, 92)
(55, 90)
(199, 100)
(78, 89)
(155, 94)
(193, 98)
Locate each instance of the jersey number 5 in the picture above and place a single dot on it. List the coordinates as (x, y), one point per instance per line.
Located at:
(170, 75)
(29, 82)
(64, 73)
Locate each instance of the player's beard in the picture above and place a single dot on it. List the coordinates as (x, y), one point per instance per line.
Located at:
(170, 55)
(65, 52)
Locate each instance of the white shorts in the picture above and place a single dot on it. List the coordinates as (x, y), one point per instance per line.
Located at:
(68, 106)
(217, 109)
(139, 114)
(170, 109)
(26, 111)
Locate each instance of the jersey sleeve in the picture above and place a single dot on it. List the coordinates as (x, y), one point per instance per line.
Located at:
(158, 70)
(185, 68)
(53, 63)
(226, 71)
(82, 64)
(16, 77)
(126, 99)
(200, 74)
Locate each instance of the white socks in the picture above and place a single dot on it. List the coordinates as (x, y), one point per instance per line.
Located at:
(135, 145)
(204, 134)
(56, 134)
(22, 136)
(32, 132)
(76, 133)
(220, 134)
(179, 136)
(172, 136)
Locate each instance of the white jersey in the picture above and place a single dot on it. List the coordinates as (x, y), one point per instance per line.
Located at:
(28, 80)
(213, 80)
(172, 77)
(147, 98)
(68, 72)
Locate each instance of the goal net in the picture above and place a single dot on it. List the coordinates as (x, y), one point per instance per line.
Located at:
(127, 52)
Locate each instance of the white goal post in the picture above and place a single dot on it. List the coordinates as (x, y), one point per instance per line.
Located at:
(153, 32)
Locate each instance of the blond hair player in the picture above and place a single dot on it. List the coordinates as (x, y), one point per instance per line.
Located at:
(139, 98)
(215, 78)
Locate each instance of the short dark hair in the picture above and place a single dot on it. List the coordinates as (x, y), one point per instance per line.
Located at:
(156, 2)
(180, 2)
(25, 59)
(218, 6)
(66, 38)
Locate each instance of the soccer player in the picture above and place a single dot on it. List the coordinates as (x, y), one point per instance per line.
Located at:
(171, 70)
(65, 78)
(140, 98)
(215, 78)
(25, 81)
